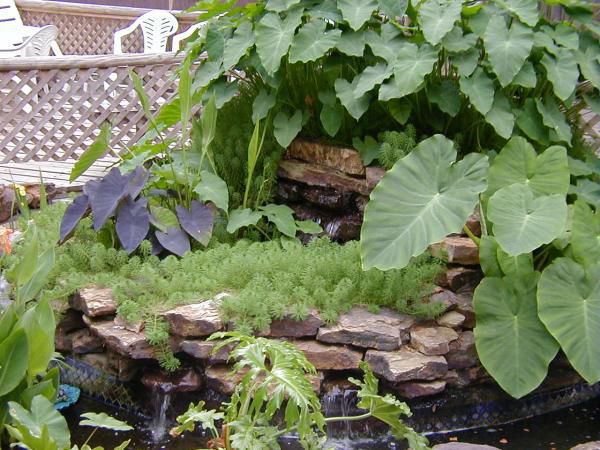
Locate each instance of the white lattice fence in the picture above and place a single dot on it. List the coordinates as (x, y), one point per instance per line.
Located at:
(52, 108)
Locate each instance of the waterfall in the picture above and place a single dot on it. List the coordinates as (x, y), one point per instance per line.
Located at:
(161, 402)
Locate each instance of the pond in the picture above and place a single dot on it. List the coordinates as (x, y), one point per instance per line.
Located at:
(559, 430)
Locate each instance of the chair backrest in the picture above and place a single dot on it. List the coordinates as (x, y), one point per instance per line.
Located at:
(156, 27)
(10, 22)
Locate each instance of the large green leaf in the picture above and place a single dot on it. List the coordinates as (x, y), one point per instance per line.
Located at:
(545, 174)
(105, 421)
(356, 12)
(437, 18)
(352, 43)
(94, 152)
(274, 37)
(523, 222)
(423, 198)
(585, 233)
(587, 190)
(412, 64)
(495, 262)
(239, 218)
(42, 414)
(371, 77)
(263, 103)
(282, 216)
(387, 43)
(238, 45)
(512, 343)
(400, 110)
(455, 41)
(526, 10)
(13, 361)
(212, 188)
(569, 305)
(466, 62)
(331, 118)
(393, 8)
(480, 90)
(39, 325)
(530, 121)
(562, 72)
(356, 106)
(501, 116)
(526, 76)
(590, 65)
(446, 95)
(280, 5)
(287, 128)
(312, 42)
(554, 119)
(507, 48)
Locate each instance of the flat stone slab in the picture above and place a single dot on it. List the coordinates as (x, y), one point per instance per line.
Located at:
(186, 380)
(457, 250)
(288, 327)
(195, 320)
(406, 365)
(94, 302)
(374, 176)
(415, 389)
(432, 340)
(329, 357)
(82, 341)
(316, 175)
(463, 446)
(204, 350)
(385, 330)
(452, 319)
(343, 159)
(459, 277)
(125, 342)
(463, 354)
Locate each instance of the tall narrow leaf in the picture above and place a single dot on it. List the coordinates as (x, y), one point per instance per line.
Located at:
(94, 152)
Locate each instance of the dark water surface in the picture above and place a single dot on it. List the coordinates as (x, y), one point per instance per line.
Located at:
(559, 430)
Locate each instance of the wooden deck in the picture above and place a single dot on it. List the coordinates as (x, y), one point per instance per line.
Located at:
(55, 172)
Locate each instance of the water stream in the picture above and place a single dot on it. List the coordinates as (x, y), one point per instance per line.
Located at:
(159, 427)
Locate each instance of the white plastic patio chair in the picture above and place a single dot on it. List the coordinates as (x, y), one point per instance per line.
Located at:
(12, 30)
(156, 26)
(39, 44)
(181, 37)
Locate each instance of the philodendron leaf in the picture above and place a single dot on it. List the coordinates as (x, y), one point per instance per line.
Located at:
(530, 121)
(455, 41)
(77, 210)
(554, 119)
(562, 72)
(423, 198)
(495, 262)
(239, 218)
(105, 421)
(212, 188)
(523, 222)
(569, 305)
(197, 221)
(280, 5)
(585, 233)
(312, 42)
(287, 128)
(42, 414)
(446, 95)
(238, 45)
(518, 162)
(512, 343)
(174, 240)
(274, 37)
(412, 64)
(111, 190)
(371, 77)
(133, 223)
(352, 43)
(480, 90)
(368, 148)
(162, 218)
(466, 62)
(356, 12)
(283, 218)
(437, 18)
(356, 106)
(393, 8)
(331, 118)
(526, 10)
(262, 104)
(501, 116)
(526, 76)
(400, 110)
(507, 48)
(587, 190)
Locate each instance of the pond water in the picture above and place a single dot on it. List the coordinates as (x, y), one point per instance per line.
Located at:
(558, 430)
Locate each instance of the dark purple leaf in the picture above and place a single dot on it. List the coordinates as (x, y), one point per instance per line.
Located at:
(73, 214)
(91, 187)
(109, 193)
(197, 222)
(175, 240)
(137, 180)
(133, 223)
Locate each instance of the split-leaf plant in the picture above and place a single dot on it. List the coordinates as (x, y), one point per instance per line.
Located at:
(349, 68)
(540, 248)
(276, 378)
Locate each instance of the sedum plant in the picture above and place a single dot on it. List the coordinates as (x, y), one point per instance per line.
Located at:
(276, 379)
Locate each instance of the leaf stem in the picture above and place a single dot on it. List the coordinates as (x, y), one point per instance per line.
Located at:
(469, 233)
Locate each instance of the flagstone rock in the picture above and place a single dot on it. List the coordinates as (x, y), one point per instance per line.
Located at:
(406, 365)
(329, 357)
(186, 380)
(432, 340)
(122, 341)
(288, 327)
(71, 320)
(316, 175)
(457, 250)
(328, 198)
(463, 446)
(452, 319)
(195, 320)
(415, 389)
(474, 222)
(374, 176)
(459, 277)
(457, 378)
(204, 350)
(385, 330)
(462, 352)
(94, 302)
(82, 341)
(343, 159)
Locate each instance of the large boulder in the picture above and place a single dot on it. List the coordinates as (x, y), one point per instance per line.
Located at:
(406, 365)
